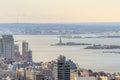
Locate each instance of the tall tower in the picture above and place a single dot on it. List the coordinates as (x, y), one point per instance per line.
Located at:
(29, 59)
(61, 70)
(18, 57)
(26, 53)
(7, 46)
(1, 46)
(60, 40)
(24, 49)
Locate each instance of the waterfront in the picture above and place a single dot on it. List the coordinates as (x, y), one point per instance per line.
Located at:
(89, 59)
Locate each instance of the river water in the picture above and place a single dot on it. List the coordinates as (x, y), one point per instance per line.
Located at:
(88, 59)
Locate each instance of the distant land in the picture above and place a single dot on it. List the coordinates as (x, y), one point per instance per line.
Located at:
(57, 28)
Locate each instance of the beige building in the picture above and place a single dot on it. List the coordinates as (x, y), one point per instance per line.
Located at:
(103, 77)
(117, 77)
(73, 75)
(30, 75)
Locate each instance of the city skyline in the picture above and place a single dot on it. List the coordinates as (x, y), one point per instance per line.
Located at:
(59, 11)
(23, 67)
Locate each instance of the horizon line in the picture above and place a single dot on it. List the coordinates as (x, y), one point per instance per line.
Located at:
(52, 22)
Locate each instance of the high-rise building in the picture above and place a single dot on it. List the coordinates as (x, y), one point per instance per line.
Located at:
(24, 47)
(17, 55)
(1, 46)
(24, 50)
(29, 57)
(7, 46)
(61, 70)
(16, 48)
(26, 53)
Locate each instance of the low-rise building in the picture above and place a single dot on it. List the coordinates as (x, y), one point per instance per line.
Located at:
(117, 77)
(73, 75)
(103, 77)
(85, 78)
(6, 73)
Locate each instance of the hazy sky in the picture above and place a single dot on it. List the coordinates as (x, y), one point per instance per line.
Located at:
(60, 10)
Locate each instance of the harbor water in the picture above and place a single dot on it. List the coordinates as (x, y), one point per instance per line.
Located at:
(86, 58)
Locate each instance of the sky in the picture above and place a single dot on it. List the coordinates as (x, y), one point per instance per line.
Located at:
(59, 11)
